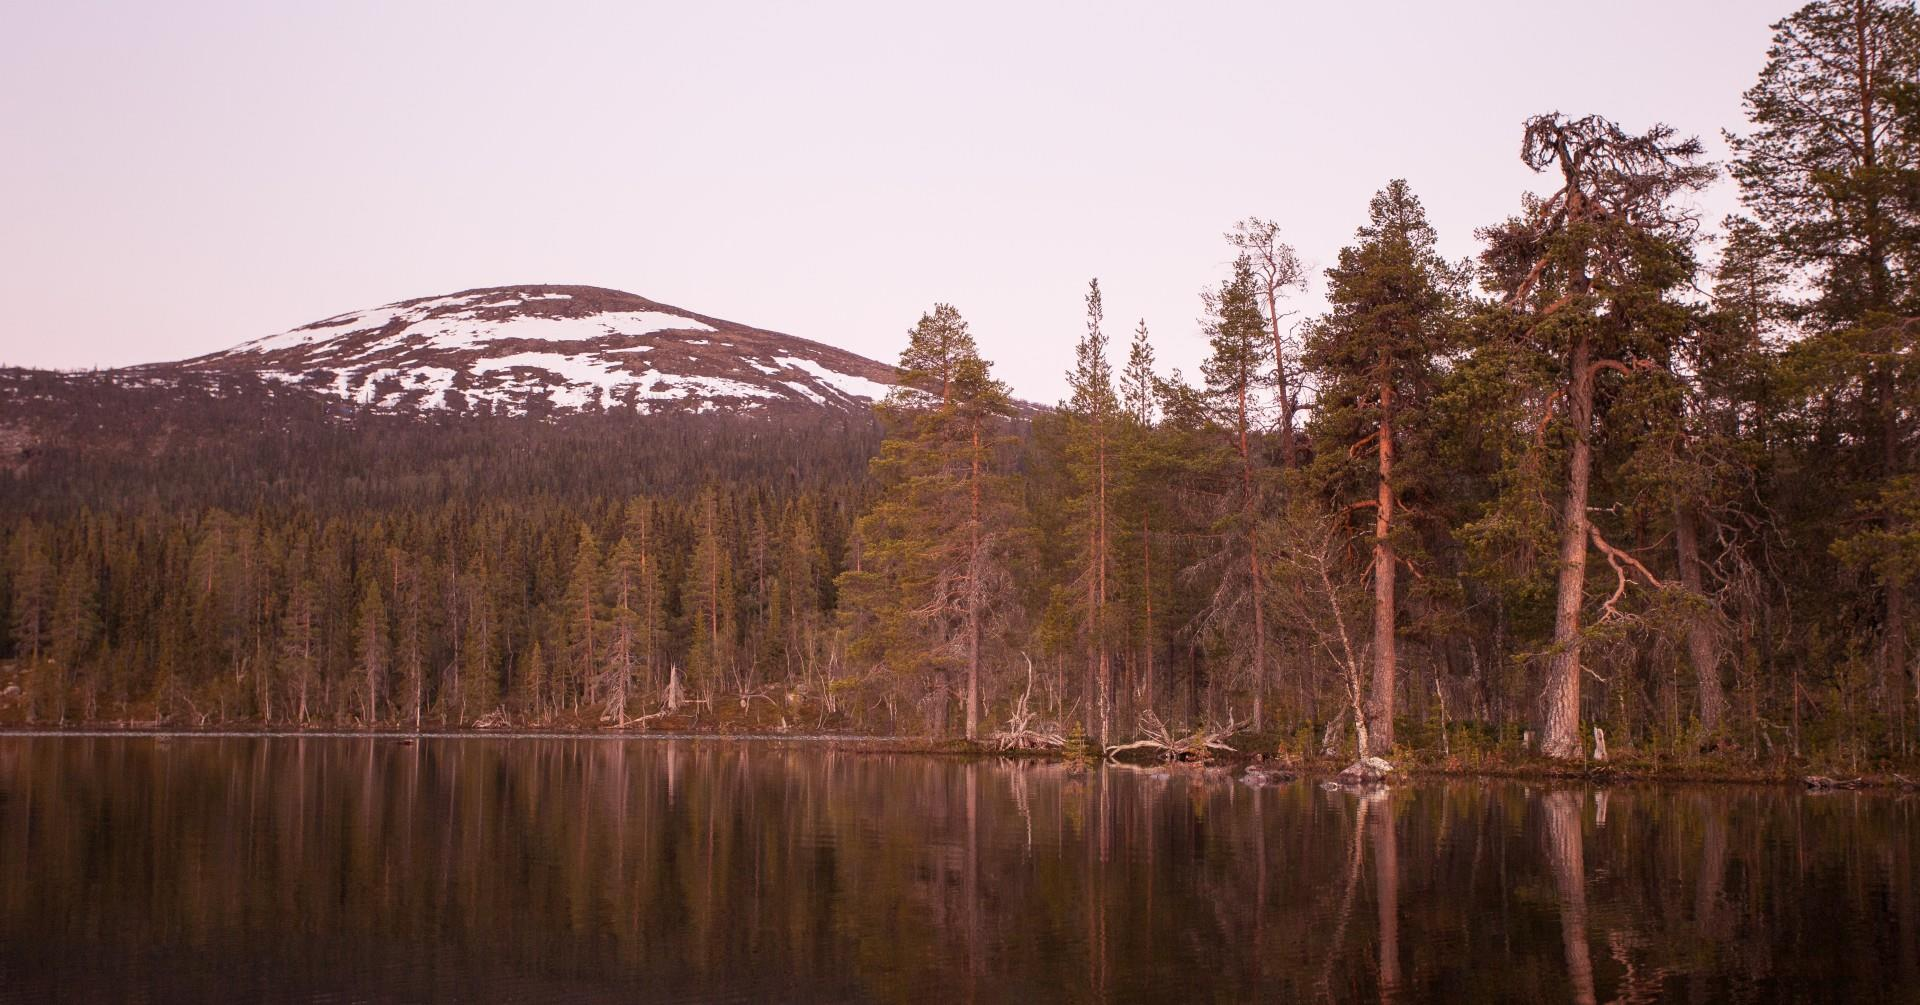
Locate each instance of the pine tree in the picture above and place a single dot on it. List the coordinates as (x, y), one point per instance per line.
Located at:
(1148, 465)
(1235, 379)
(932, 542)
(1392, 317)
(1276, 271)
(1830, 169)
(1093, 412)
(1585, 277)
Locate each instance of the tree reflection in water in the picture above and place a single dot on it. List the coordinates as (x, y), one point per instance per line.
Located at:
(485, 868)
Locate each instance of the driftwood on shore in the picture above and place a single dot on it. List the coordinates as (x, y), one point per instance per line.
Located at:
(1197, 745)
(1023, 731)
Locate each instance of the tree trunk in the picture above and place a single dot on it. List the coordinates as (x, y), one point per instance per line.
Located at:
(1560, 699)
(1089, 678)
(973, 591)
(1249, 511)
(1259, 635)
(1703, 648)
(1893, 656)
(1146, 577)
(1105, 669)
(1385, 658)
(713, 598)
(1289, 444)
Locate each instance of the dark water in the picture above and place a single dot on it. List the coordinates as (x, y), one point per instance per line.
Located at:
(347, 869)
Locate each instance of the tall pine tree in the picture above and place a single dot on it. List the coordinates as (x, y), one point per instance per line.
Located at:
(1393, 314)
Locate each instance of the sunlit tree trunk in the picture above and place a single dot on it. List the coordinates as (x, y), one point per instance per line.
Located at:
(1385, 658)
(1560, 701)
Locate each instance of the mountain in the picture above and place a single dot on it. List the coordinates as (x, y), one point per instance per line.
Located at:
(533, 349)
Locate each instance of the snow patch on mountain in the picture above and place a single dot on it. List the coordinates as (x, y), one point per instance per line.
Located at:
(569, 348)
(846, 383)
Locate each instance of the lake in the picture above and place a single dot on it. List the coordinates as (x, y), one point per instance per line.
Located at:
(562, 869)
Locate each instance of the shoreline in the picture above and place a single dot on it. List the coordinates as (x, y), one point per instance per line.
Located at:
(1601, 773)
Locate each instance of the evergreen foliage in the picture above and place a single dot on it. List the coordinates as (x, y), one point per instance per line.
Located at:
(1619, 472)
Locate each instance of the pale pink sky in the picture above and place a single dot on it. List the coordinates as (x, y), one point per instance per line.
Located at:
(178, 177)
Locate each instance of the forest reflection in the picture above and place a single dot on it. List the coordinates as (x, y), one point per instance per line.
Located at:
(686, 870)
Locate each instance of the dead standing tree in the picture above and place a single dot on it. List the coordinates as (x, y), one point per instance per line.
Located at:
(1024, 730)
(1325, 589)
(1276, 271)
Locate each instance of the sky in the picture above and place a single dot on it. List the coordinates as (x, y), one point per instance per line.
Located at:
(179, 177)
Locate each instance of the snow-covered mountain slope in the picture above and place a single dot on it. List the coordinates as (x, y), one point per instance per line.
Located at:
(566, 348)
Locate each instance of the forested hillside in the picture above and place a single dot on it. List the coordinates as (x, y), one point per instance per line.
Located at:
(1624, 469)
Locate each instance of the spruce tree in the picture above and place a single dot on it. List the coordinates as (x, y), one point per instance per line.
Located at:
(300, 636)
(580, 620)
(708, 595)
(371, 650)
(32, 589)
(628, 632)
(533, 683)
(478, 687)
(1138, 392)
(73, 629)
(410, 637)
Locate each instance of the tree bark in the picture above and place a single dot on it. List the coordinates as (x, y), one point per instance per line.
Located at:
(1385, 657)
(1249, 511)
(1146, 577)
(1560, 699)
(1895, 642)
(973, 590)
(1100, 572)
(1289, 443)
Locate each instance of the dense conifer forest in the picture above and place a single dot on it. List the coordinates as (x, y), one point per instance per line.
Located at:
(1626, 473)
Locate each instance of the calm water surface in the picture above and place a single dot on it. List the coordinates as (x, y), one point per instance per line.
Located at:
(353, 869)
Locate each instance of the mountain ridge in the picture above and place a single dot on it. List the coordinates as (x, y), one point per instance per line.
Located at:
(539, 347)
